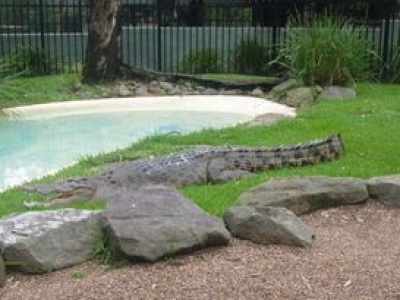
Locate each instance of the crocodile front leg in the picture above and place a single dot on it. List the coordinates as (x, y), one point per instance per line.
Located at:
(80, 193)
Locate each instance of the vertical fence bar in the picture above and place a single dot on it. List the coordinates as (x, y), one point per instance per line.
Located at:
(42, 33)
(159, 53)
(385, 48)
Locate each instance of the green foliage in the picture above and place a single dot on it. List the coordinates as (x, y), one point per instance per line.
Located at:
(27, 90)
(29, 61)
(206, 60)
(390, 71)
(250, 57)
(326, 51)
(102, 251)
(78, 274)
(106, 253)
(6, 91)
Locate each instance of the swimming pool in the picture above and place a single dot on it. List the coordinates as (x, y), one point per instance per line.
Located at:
(43, 139)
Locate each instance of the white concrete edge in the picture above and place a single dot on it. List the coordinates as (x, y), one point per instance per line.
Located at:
(246, 105)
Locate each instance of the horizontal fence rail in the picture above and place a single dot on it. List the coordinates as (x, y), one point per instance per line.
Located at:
(175, 35)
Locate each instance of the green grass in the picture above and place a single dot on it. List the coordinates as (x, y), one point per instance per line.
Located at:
(19, 91)
(369, 126)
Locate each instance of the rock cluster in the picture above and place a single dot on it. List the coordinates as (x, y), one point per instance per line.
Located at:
(293, 94)
(162, 88)
(289, 92)
(155, 221)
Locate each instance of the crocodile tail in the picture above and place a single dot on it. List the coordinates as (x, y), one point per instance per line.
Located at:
(336, 146)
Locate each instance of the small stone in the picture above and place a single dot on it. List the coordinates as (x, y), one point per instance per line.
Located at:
(122, 90)
(142, 91)
(230, 92)
(154, 88)
(267, 119)
(257, 92)
(166, 86)
(210, 91)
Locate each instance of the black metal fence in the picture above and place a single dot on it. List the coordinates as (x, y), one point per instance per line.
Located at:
(178, 35)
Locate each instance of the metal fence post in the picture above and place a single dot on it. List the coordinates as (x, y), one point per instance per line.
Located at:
(385, 48)
(42, 36)
(159, 52)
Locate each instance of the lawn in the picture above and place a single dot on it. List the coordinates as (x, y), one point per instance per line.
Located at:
(369, 125)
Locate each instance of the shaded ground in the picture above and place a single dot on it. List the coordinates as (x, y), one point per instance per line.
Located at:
(355, 256)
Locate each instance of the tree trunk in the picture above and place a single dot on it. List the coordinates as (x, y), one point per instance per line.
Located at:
(103, 53)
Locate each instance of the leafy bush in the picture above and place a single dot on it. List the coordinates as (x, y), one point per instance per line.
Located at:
(206, 60)
(327, 51)
(250, 57)
(6, 91)
(390, 71)
(29, 61)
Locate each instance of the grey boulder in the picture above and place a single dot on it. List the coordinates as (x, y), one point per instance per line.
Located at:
(268, 225)
(337, 93)
(298, 97)
(154, 221)
(42, 241)
(307, 194)
(385, 189)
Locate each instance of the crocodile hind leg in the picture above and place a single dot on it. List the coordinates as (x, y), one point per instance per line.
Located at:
(218, 171)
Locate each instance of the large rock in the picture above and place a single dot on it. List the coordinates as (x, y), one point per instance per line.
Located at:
(284, 86)
(385, 189)
(268, 225)
(39, 242)
(299, 97)
(267, 119)
(337, 93)
(155, 221)
(306, 194)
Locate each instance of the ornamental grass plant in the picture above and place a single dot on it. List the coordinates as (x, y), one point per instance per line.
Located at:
(327, 51)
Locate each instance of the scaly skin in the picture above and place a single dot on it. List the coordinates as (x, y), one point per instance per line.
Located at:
(206, 164)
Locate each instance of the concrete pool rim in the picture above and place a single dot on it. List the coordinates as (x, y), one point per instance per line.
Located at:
(246, 105)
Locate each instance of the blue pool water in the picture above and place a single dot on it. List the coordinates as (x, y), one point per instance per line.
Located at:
(31, 148)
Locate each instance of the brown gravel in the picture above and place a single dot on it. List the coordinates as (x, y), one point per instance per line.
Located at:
(356, 255)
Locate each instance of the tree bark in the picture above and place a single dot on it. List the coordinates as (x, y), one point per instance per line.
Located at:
(103, 52)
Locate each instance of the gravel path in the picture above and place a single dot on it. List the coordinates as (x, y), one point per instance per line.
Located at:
(356, 255)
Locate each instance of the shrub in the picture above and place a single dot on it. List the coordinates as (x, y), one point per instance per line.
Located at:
(390, 71)
(250, 57)
(6, 91)
(29, 61)
(206, 60)
(327, 51)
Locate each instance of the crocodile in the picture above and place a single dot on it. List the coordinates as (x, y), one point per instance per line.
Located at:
(206, 164)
